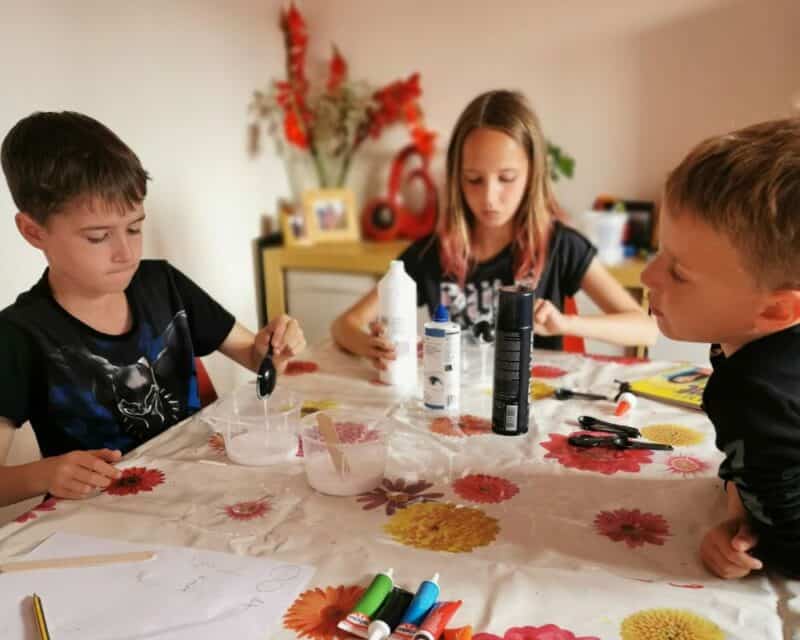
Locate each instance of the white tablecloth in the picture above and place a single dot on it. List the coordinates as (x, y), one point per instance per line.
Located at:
(529, 532)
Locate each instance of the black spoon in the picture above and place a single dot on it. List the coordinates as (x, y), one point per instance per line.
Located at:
(267, 376)
(597, 424)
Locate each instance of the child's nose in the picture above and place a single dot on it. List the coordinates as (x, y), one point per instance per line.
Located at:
(649, 278)
(122, 250)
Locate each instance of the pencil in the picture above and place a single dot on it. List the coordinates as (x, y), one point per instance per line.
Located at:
(41, 623)
(77, 561)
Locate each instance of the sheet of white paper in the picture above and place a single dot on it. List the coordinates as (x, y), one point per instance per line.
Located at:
(181, 594)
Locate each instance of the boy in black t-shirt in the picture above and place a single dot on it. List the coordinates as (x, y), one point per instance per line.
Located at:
(99, 355)
(728, 272)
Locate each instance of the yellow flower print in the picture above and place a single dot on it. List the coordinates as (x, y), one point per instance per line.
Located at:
(673, 434)
(668, 624)
(442, 527)
(541, 390)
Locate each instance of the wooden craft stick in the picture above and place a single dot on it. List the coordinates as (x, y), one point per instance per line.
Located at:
(328, 431)
(77, 561)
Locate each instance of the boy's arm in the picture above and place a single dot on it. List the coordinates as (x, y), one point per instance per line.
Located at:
(73, 475)
(248, 349)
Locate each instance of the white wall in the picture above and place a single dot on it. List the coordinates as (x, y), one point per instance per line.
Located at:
(626, 87)
(174, 80)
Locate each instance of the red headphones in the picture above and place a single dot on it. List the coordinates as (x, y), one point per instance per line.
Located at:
(387, 218)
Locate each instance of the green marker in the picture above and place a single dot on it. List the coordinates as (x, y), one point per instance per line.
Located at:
(357, 621)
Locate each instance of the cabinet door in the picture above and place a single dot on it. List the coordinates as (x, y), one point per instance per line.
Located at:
(315, 298)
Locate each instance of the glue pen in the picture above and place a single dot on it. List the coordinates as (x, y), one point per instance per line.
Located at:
(357, 621)
(626, 402)
(423, 600)
(389, 615)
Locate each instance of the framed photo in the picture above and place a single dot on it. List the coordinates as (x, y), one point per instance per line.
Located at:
(293, 224)
(330, 215)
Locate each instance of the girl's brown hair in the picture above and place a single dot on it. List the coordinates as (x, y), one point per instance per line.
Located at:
(510, 113)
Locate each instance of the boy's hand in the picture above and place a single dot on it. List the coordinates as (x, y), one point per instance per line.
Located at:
(724, 549)
(377, 348)
(286, 337)
(548, 320)
(77, 474)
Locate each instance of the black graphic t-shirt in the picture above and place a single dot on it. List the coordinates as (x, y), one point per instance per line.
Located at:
(753, 399)
(568, 258)
(82, 389)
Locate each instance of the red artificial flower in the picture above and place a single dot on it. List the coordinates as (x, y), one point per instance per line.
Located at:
(603, 460)
(633, 527)
(393, 102)
(337, 71)
(425, 140)
(546, 632)
(546, 371)
(294, 131)
(299, 367)
(483, 488)
(135, 479)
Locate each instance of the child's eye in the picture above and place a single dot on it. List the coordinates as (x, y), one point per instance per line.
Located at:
(134, 231)
(97, 239)
(472, 180)
(507, 178)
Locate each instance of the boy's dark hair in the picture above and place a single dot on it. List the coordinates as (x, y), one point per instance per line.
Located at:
(746, 184)
(52, 158)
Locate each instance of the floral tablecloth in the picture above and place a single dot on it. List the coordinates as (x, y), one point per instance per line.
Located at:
(539, 539)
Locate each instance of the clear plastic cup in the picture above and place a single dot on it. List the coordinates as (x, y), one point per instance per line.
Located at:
(355, 462)
(258, 432)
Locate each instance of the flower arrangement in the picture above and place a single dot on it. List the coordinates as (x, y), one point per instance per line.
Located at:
(331, 124)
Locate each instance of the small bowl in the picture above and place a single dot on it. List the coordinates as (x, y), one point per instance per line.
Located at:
(356, 463)
(258, 432)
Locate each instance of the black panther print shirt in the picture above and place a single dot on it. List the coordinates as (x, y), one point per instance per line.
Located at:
(82, 389)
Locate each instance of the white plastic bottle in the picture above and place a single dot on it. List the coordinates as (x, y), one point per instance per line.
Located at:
(441, 363)
(397, 309)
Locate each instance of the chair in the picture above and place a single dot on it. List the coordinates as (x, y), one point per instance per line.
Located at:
(572, 344)
(205, 388)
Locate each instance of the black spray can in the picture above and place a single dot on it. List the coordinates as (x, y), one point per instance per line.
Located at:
(512, 360)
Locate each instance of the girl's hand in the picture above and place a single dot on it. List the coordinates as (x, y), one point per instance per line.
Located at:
(377, 348)
(548, 320)
(78, 474)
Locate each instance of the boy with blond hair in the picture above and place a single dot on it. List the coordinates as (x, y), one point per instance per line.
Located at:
(99, 354)
(728, 273)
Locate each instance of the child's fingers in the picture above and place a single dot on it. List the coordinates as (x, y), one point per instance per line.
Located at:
(98, 462)
(376, 328)
(378, 363)
(745, 539)
(277, 340)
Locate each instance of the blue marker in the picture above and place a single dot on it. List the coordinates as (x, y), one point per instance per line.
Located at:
(420, 606)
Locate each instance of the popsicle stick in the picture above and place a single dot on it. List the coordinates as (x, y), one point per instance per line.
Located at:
(328, 431)
(77, 561)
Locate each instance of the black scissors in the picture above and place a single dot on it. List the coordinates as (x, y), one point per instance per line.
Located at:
(562, 393)
(614, 442)
(596, 424)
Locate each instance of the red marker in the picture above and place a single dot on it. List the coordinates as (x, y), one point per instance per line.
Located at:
(626, 402)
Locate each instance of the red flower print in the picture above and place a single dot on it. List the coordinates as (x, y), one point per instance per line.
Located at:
(633, 527)
(467, 425)
(545, 371)
(547, 632)
(135, 479)
(397, 495)
(600, 459)
(483, 488)
(299, 367)
(616, 359)
(316, 612)
(48, 504)
(249, 510)
(687, 465)
(349, 432)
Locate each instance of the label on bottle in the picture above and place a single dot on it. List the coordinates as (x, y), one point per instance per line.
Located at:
(511, 377)
(441, 357)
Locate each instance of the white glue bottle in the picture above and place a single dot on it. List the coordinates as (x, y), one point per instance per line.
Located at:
(397, 310)
(441, 363)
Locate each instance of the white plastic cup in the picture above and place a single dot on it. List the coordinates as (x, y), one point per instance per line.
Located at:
(606, 230)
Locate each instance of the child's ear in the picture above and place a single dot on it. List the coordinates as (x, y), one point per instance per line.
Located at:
(781, 310)
(31, 230)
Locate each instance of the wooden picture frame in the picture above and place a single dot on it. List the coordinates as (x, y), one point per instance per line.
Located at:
(293, 223)
(330, 215)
